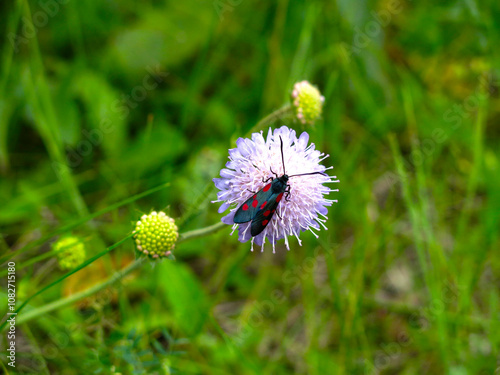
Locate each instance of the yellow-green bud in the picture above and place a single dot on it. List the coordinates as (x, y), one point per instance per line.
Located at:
(156, 234)
(307, 102)
(70, 252)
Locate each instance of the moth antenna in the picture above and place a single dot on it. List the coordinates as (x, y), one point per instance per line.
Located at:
(282, 157)
(305, 174)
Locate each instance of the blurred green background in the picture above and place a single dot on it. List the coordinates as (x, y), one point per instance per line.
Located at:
(102, 100)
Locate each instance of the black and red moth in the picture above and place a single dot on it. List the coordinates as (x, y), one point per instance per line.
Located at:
(260, 207)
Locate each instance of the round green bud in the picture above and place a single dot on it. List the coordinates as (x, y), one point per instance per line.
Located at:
(70, 252)
(155, 235)
(307, 102)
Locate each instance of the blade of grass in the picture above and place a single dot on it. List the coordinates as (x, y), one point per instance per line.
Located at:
(436, 258)
(7, 58)
(302, 54)
(283, 112)
(421, 246)
(46, 121)
(65, 276)
(412, 209)
(29, 315)
(118, 275)
(469, 274)
(83, 220)
(39, 258)
(435, 251)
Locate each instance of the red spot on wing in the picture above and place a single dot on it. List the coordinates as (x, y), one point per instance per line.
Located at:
(245, 207)
(267, 213)
(278, 198)
(255, 203)
(263, 204)
(264, 223)
(267, 187)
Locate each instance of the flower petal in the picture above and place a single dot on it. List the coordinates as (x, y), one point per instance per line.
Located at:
(227, 173)
(229, 218)
(221, 183)
(303, 140)
(223, 207)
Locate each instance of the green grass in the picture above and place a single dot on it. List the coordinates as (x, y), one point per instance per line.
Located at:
(405, 279)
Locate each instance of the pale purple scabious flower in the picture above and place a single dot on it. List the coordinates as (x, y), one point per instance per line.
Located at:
(249, 166)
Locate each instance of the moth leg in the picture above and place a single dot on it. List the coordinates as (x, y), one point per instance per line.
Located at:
(252, 191)
(274, 173)
(270, 178)
(287, 195)
(279, 215)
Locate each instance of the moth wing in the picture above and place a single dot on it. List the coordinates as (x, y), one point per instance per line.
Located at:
(248, 210)
(264, 215)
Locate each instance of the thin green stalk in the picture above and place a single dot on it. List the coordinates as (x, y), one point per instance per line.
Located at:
(470, 274)
(29, 315)
(434, 250)
(302, 54)
(201, 232)
(40, 257)
(7, 58)
(75, 29)
(431, 280)
(411, 208)
(47, 121)
(81, 221)
(476, 168)
(284, 111)
(94, 289)
(436, 257)
(8, 48)
(83, 265)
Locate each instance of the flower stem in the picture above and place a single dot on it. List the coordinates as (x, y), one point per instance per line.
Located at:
(67, 228)
(78, 296)
(201, 232)
(283, 112)
(29, 315)
(83, 265)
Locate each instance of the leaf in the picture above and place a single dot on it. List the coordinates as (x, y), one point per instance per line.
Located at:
(186, 297)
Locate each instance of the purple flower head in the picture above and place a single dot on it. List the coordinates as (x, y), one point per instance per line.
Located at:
(250, 164)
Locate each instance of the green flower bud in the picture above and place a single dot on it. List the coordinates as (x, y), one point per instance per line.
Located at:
(307, 102)
(70, 252)
(155, 235)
